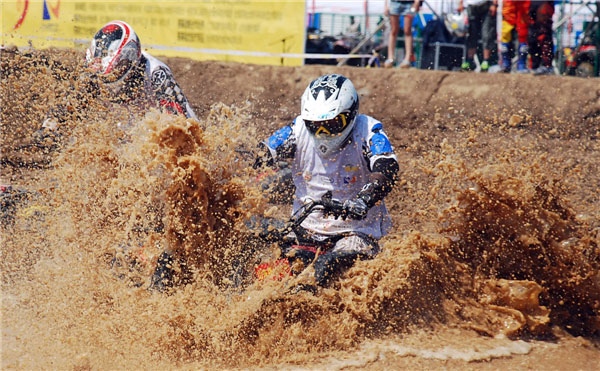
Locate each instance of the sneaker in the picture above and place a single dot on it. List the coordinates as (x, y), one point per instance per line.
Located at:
(389, 63)
(543, 70)
(404, 64)
(467, 66)
(485, 66)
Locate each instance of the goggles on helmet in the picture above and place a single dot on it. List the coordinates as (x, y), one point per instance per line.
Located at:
(329, 127)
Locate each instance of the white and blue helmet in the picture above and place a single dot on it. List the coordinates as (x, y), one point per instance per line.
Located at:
(329, 109)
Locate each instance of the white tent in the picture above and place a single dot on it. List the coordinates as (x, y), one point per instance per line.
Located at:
(356, 7)
(344, 6)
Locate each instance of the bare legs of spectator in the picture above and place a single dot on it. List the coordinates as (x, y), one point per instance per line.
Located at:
(408, 40)
(394, 27)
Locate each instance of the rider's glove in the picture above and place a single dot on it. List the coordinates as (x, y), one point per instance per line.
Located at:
(355, 209)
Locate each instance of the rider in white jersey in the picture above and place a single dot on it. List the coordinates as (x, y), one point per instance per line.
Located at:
(336, 153)
(334, 149)
(343, 173)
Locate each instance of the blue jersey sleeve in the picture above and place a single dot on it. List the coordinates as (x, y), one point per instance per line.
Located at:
(282, 144)
(279, 137)
(379, 143)
(379, 146)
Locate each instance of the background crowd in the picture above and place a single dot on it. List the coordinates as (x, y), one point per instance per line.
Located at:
(526, 33)
(523, 36)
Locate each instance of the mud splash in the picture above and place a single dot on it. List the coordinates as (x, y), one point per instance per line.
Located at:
(539, 261)
(502, 253)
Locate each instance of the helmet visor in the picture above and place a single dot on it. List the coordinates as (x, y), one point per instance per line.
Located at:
(105, 38)
(329, 127)
(105, 51)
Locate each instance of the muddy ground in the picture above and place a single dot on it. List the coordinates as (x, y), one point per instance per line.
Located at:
(421, 109)
(499, 189)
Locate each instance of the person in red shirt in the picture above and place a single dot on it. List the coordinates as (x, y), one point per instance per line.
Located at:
(515, 15)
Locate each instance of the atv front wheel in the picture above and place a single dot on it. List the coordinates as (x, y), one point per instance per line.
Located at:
(584, 69)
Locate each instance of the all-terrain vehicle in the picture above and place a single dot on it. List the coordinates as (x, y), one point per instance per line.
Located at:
(298, 250)
(584, 60)
(255, 262)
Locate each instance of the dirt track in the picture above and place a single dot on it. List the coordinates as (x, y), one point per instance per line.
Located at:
(421, 109)
(404, 99)
(529, 142)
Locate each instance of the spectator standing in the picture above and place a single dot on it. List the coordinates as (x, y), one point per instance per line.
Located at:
(482, 25)
(540, 41)
(354, 27)
(515, 15)
(394, 9)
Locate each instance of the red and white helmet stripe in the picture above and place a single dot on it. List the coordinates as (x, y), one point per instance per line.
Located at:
(116, 42)
(124, 40)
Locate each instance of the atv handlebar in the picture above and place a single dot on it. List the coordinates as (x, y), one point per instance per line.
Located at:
(326, 203)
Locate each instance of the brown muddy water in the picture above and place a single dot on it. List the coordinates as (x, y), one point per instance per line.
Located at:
(493, 260)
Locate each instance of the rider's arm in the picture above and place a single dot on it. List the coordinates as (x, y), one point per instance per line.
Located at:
(281, 145)
(168, 94)
(382, 163)
(384, 168)
(382, 182)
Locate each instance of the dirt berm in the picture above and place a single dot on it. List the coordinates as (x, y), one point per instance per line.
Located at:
(493, 260)
(405, 99)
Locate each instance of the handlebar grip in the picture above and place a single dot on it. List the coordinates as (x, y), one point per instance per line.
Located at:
(333, 205)
(329, 203)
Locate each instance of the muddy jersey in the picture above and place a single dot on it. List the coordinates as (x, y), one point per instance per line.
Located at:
(344, 173)
(160, 84)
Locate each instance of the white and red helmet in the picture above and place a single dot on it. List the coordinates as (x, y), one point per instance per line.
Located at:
(114, 51)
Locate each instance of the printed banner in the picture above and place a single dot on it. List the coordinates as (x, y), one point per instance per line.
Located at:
(248, 31)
